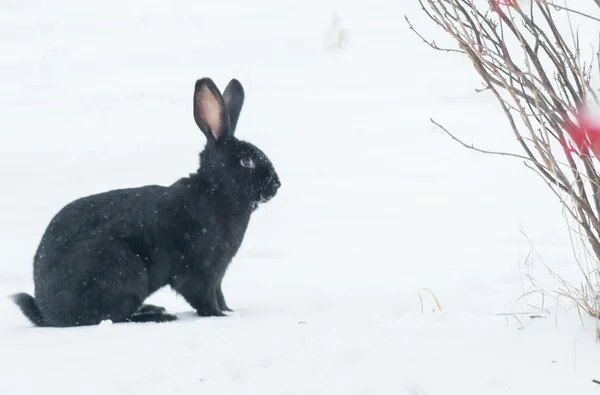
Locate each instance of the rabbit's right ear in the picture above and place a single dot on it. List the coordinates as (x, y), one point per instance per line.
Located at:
(210, 113)
(233, 96)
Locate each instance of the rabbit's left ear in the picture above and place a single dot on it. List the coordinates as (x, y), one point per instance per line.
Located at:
(210, 112)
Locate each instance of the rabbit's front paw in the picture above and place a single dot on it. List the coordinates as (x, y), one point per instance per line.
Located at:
(209, 307)
(210, 312)
(221, 300)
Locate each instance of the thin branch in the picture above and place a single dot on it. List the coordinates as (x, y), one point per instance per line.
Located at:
(563, 8)
(472, 147)
(431, 44)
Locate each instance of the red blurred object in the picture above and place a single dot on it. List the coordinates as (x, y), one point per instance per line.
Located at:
(497, 3)
(585, 134)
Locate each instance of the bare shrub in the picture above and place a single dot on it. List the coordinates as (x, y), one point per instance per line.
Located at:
(530, 57)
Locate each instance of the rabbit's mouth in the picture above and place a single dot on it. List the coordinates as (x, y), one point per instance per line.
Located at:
(264, 197)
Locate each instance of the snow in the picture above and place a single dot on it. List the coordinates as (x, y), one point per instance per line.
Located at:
(376, 204)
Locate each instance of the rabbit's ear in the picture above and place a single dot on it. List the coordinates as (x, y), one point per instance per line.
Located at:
(210, 113)
(234, 100)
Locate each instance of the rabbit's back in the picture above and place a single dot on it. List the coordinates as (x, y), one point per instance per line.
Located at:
(114, 214)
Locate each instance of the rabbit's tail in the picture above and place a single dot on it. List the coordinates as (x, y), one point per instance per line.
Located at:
(29, 307)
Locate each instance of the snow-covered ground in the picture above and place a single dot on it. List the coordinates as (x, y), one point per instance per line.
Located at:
(376, 204)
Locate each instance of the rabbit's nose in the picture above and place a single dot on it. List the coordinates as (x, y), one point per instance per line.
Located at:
(276, 184)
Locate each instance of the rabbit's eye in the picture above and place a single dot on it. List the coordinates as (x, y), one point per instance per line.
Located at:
(247, 162)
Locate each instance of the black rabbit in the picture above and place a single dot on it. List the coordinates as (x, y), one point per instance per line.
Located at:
(103, 255)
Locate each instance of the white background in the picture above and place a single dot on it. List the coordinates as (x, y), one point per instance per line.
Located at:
(376, 204)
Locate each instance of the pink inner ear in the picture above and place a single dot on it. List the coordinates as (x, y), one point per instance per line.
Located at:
(210, 111)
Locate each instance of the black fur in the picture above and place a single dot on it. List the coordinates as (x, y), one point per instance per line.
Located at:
(150, 308)
(28, 306)
(103, 255)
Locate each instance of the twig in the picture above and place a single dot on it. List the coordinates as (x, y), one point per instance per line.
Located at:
(431, 44)
(562, 8)
(471, 147)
